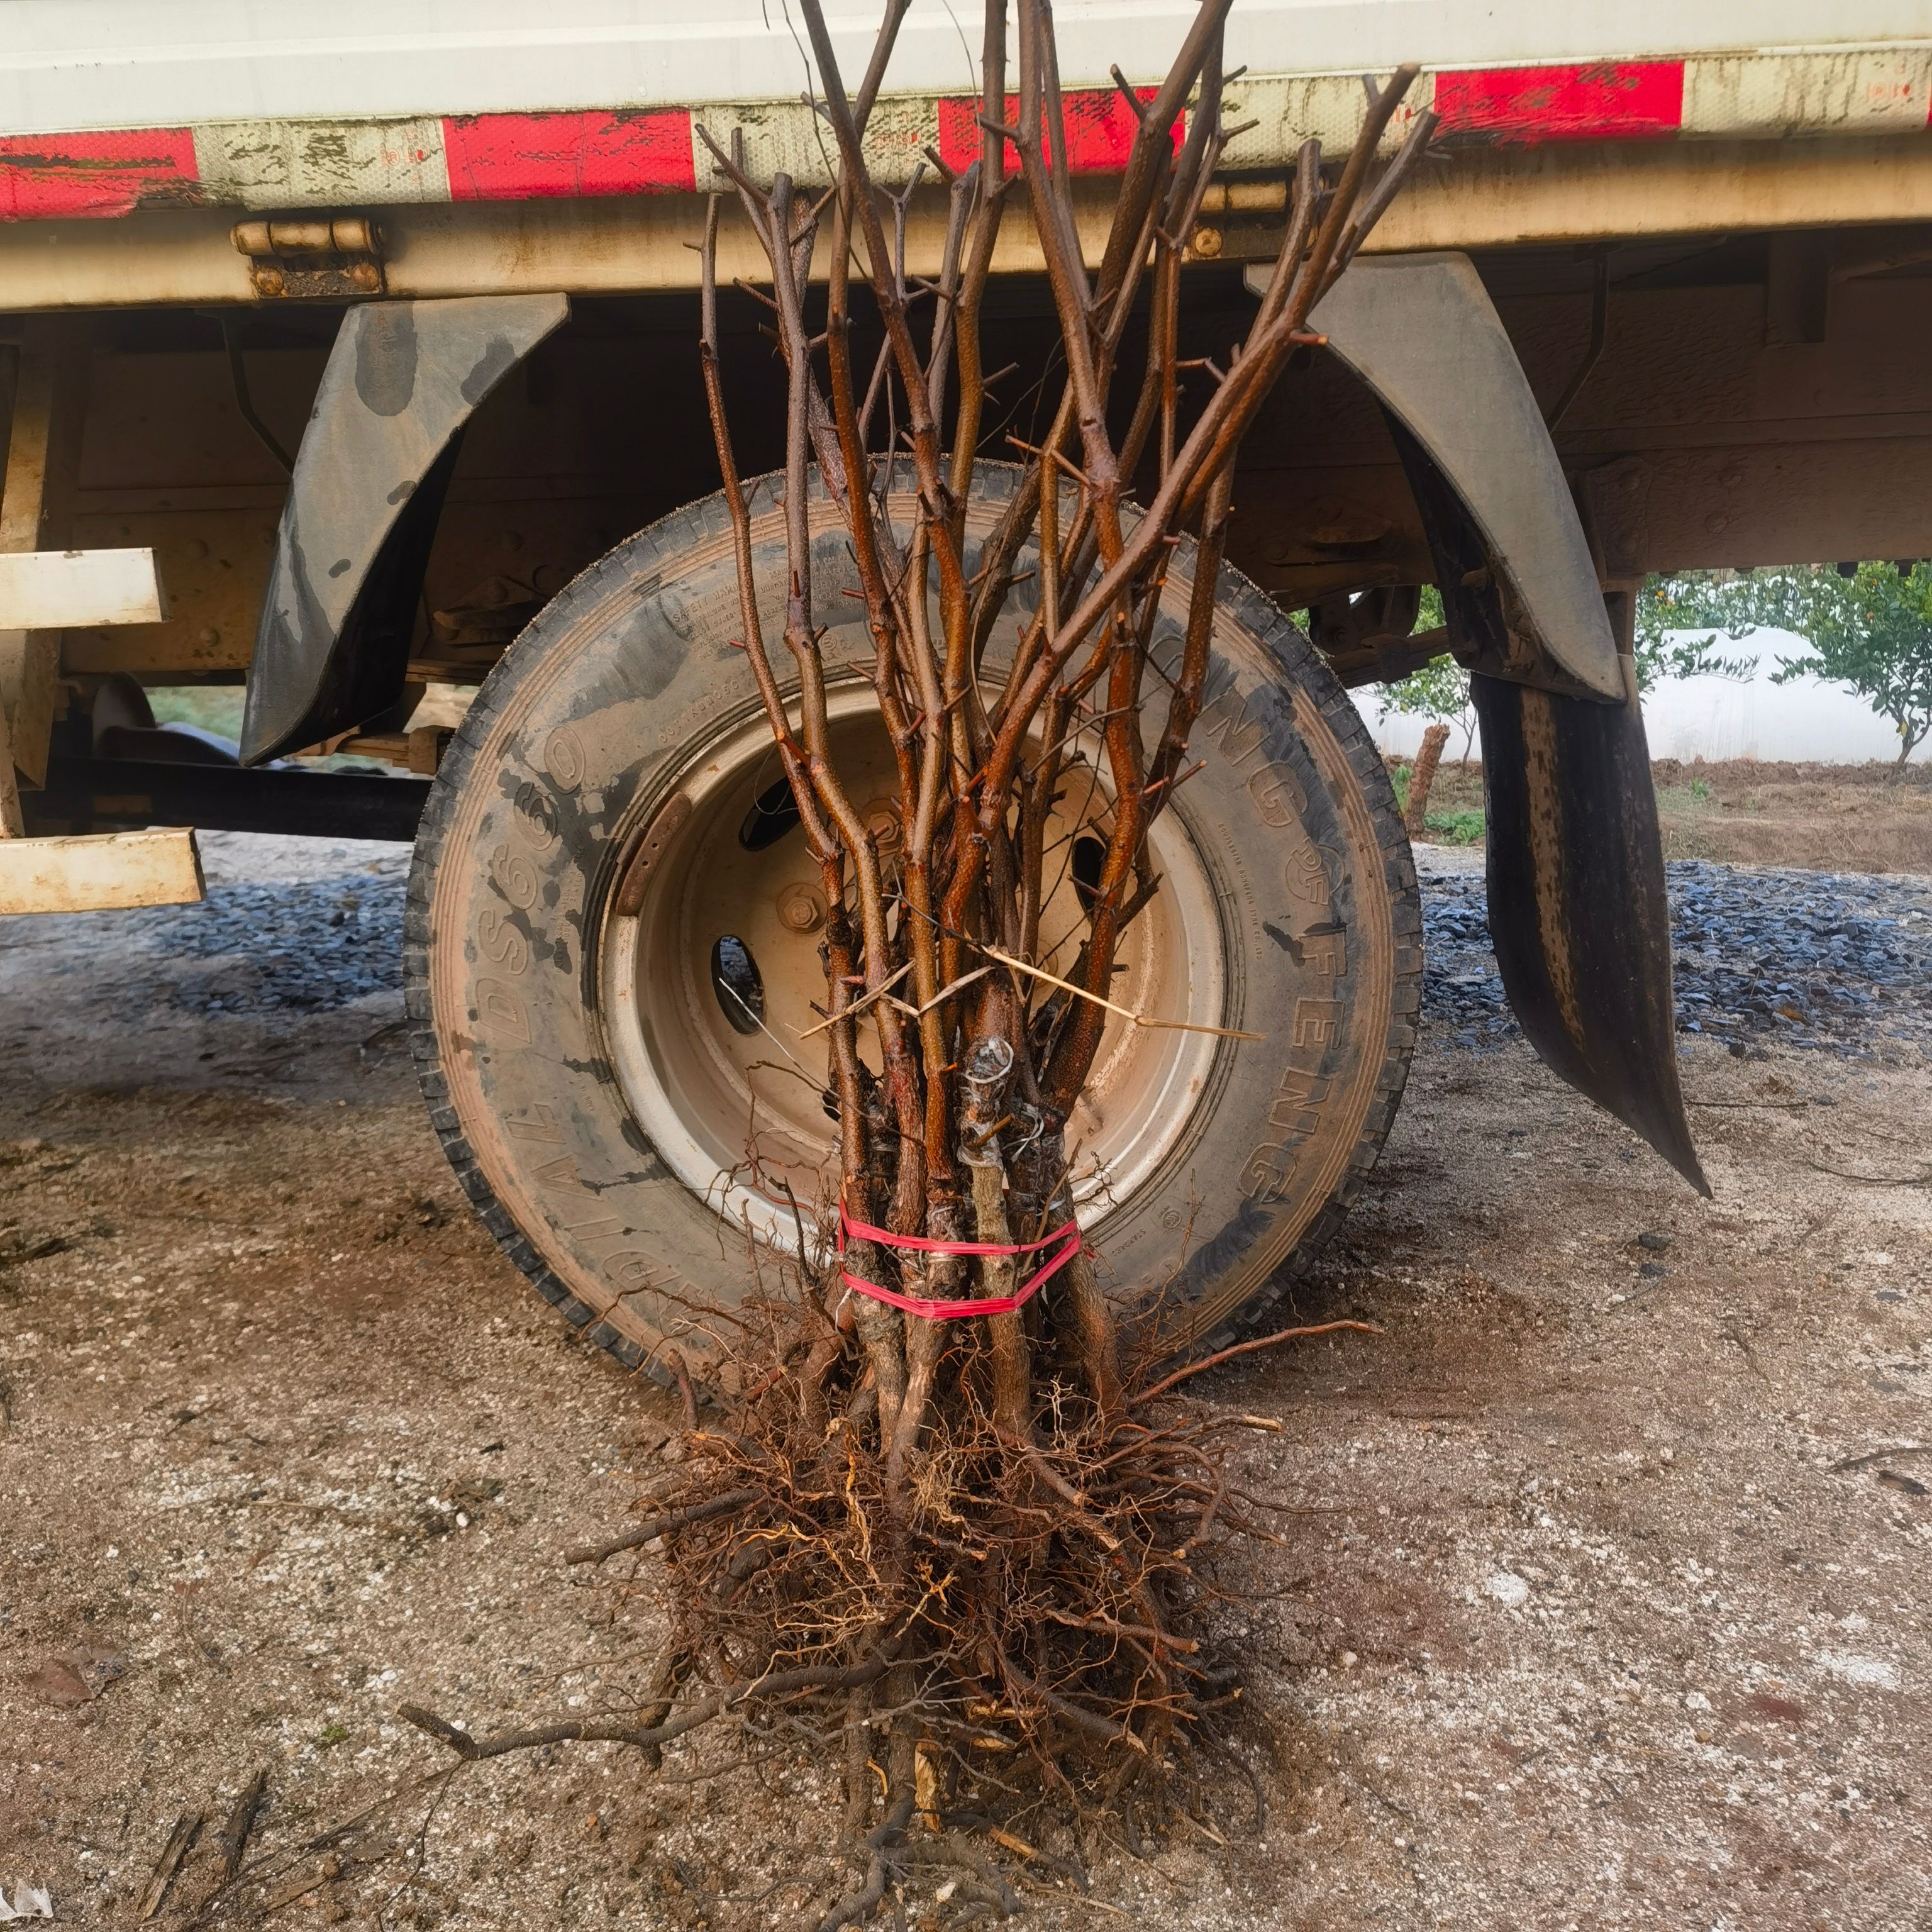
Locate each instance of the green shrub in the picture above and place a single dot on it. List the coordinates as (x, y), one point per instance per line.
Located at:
(1456, 828)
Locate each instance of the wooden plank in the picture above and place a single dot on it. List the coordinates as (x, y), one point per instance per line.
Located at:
(36, 499)
(213, 562)
(25, 495)
(11, 825)
(50, 590)
(101, 872)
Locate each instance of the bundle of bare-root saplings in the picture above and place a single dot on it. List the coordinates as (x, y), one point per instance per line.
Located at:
(935, 1510)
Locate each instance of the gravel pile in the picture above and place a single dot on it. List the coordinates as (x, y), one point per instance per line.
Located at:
(298, 946)
(1841, 962)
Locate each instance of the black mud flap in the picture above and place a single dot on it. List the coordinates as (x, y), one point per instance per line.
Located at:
(1576, 901)
(1577, 909)
(402, 378)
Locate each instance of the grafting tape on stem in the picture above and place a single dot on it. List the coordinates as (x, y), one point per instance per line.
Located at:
(986, 1067)
(1068, 1234)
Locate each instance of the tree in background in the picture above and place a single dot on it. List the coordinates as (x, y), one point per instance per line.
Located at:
(1870, 631)
(1669, 606)
(1438, 691)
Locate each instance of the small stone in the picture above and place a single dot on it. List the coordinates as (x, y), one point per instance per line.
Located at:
(1871, 1672)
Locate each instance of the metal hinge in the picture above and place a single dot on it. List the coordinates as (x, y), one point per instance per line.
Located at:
(308, 260)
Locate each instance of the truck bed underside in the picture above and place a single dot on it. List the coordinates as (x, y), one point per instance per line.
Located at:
(1723, 402)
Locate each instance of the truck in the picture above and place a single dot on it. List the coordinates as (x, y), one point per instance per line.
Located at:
(352, 360)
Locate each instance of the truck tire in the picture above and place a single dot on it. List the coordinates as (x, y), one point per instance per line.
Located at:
(611, 955)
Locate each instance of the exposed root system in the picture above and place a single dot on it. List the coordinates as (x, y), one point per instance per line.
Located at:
(998, 1638)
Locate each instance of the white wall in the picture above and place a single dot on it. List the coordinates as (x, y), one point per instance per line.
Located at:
(1717, 718)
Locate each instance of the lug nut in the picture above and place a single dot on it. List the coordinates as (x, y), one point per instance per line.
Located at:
(800, 909)
(881, 819)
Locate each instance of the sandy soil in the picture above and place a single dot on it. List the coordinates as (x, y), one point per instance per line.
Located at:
(1866, 818)
(1862, 818)
(1606, 1602)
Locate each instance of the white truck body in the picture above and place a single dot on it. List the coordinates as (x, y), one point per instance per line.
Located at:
(71, 64)
(110, 107)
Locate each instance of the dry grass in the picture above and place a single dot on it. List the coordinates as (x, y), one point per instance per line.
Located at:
(1862, 818)
(1853, 818)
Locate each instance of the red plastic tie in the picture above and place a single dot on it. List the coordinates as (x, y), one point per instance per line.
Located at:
(955, 1311)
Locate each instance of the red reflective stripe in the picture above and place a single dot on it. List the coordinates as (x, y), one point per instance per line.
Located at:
(45, 176)
(1100, 130)
(538, 156)
(1624, 101)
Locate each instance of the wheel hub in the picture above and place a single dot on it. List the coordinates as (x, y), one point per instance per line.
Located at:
(712, 985)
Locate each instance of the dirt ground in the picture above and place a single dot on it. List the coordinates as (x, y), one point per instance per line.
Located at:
(1605, 1602)
(1853, 818)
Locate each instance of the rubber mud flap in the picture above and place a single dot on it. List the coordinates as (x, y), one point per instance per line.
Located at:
(402, 380)
(560, 786)
(1578, 912)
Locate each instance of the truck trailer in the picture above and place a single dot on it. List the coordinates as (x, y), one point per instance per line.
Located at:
(352, 358)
